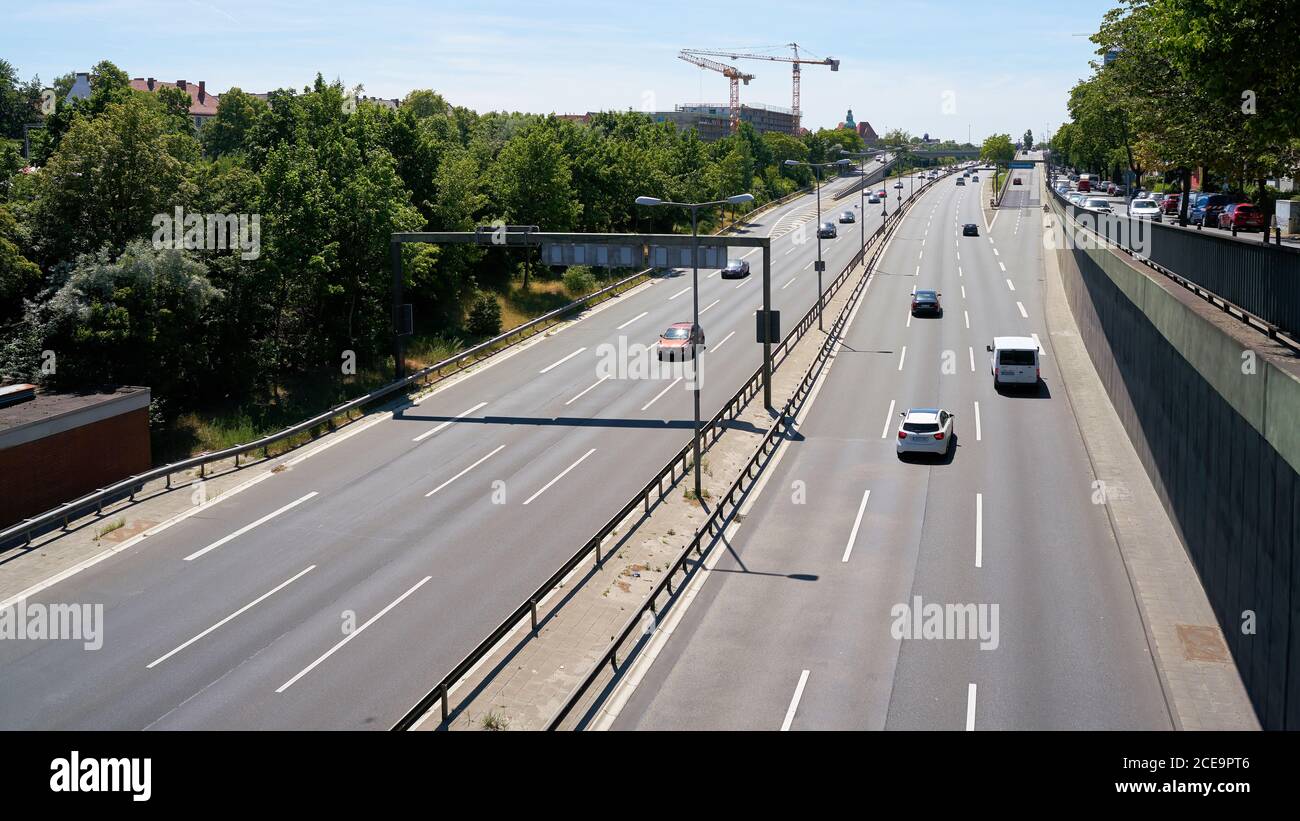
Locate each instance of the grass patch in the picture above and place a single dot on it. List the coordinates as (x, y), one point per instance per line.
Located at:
(495, 721)
(105, 529)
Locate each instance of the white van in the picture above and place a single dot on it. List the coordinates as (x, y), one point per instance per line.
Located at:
(1014, 360)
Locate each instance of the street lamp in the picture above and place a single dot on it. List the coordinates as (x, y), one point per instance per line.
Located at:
(862, 192)
(695, 207)
(820, 266)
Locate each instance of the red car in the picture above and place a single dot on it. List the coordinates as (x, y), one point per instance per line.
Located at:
(678, 342)
(1169, 204)
(882, 194)
(1243, 216)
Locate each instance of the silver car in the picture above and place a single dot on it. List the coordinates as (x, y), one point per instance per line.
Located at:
(1145, 210)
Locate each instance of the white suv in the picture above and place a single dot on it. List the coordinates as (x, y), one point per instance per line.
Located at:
(925, 430)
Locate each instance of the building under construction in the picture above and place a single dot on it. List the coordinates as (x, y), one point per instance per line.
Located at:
(713, 120)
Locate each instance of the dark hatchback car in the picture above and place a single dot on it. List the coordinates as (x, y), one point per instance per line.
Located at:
(970, 229)
(826, 231)
(736, 269)
(1206, 208)
(926, 302)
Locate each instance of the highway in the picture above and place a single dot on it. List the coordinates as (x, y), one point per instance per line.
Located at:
(333, 594)
(793, 627)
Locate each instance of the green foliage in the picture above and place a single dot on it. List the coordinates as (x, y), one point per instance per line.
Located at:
(579, 281)
(236, 118)
(484, 318)
(998, 148)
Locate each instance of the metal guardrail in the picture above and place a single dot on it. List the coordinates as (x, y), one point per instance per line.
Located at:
(709, 433)
(717, 520)
(1261, 282)
(22, 532)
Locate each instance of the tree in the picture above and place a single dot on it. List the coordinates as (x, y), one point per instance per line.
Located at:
(998, 149)
(1028, 141)
(18, 275)
(532, 181)
(237, 115)
(18, 102)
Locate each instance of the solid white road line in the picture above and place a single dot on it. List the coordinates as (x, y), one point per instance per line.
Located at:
(979, 529)
(710, 305)
(958, 270)
(675, 381)
(547, 486)
(268, 517)
(889, 417)
(970, 707)
(857, 523)
(468, 469)
(977, 417)
(633, 319)
(585, 390)
(268, 594)
(679, 293)
(794, 701)
(909, 319)
(788, 283)
(1011, 284)
(463, 414)
(720, 344)
(350, 636)
(562, 361)
(902, 358)
(738, 284)
(1023, 312)
(1039, 344)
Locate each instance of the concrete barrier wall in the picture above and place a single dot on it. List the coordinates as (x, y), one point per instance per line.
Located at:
(1222, 447)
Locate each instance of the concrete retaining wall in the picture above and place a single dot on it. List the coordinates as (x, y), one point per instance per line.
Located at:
(1222, 447)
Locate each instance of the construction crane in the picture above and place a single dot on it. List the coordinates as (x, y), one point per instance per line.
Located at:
(796, 60)
(735, 75)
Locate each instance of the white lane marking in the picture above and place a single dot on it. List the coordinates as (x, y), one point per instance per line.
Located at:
(889, 417)
(268, 517)
(786, 285)
(857, 523)
(979, 529)
(793, 248)
(921, 255)
(972, 359)
(990, 240)
(586, 389)
(1023, 312)
(268, 594)
(918, 271)
(712, 275)
(970, 707)
(742, 282)
(794, 702)
(749, 253)
(562, 361)
(710, 305)
(467, 470)
(564, 472)
(633, 319)
(675, 381)
(809, 265)
(958, 270)
(1011, 284)
(995, 253)
(977, 408)
(679, 293)
(1039, 344)
(963, 292)
(1002, 266)
(720, 344)
(463, 414)
(350, 636)
(909, 319)
(902, 358)
(967, 315)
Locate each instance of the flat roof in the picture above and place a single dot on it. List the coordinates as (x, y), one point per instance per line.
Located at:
(47, 406)
(1015, 343)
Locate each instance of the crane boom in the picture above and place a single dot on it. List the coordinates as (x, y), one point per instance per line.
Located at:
(735, 75)
(796, 60)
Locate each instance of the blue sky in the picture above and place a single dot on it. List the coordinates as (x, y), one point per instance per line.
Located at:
(937, 66)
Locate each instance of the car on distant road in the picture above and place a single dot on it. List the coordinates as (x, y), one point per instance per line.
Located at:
(827, 231)
(848, 216)
(975, 178)
(882, 193)
(1097, 205)
(1076, 198)
(1243, 216)
(1169, 203)
(898, 184)
(873, 198)
(926, 302)
(736, 269)
(925, 430)
(1205, 209)
(961, 180)
(1015, 181)
(1013, 360)
(680, 341)
(1145, 210)
(970, 229)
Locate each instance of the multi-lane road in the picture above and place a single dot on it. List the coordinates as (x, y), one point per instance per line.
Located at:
(333, 593)
(797, 623)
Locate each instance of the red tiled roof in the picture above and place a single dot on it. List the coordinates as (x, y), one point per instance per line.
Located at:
(203, 103)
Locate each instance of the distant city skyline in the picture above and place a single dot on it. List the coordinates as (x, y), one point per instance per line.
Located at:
(939, 67)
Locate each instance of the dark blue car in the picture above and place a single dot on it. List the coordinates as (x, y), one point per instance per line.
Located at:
(1205, 209)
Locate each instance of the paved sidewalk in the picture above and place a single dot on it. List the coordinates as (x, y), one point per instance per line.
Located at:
(1201, 683)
